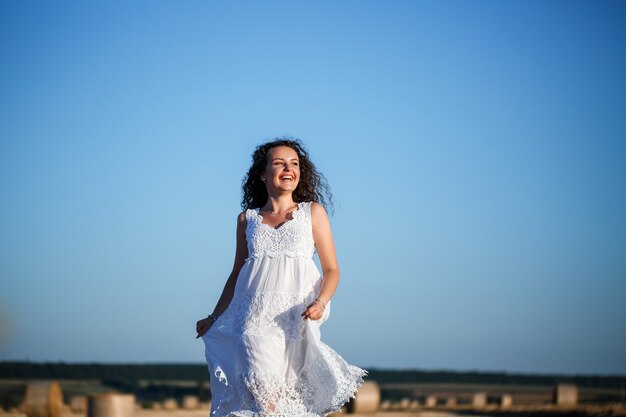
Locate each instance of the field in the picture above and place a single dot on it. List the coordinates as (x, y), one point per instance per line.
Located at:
(452, 399)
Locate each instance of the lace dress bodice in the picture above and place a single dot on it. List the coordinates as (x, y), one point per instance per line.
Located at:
(292, 238)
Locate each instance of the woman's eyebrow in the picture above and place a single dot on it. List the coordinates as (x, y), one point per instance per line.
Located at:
(293, 159)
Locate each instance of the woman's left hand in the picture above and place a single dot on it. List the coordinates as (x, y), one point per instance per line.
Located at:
(314, 311)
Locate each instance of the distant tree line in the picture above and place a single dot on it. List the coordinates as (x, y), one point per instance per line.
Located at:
(121, 372)
(131, 373)
(496, 378)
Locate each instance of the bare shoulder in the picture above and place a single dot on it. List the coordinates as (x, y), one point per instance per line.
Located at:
(317, 209)
(242, 221)
(319, 217)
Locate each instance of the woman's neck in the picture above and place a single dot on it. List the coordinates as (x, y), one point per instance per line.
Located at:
(279, 204)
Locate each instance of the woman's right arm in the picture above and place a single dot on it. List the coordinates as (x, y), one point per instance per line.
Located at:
(241, 253)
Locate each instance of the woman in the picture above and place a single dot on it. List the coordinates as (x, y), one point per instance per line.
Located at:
(262, 341)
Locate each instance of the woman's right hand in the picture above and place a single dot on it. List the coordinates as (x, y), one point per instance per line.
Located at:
(203, 326)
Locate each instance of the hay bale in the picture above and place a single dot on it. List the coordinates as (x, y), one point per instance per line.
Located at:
(385, 405)
(404, 403)
(479, 399)
(506, 400)
(156, 406)
(367, 399)
(191, 402)
(78, 404)
(451, 402)
(414, 405)
(431, 401)
(170, 404)
(565, 395)
(43, 399)
(110, 404)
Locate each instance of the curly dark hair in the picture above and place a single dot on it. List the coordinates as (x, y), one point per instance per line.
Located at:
(311, 187)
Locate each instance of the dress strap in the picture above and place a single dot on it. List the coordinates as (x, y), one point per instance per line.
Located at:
(249, 214)
(306, 209)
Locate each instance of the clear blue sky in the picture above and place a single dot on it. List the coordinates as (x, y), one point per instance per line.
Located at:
(477, 152)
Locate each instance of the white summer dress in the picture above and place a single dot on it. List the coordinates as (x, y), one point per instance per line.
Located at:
(264, 359)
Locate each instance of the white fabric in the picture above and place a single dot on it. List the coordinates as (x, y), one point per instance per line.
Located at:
(263, 358)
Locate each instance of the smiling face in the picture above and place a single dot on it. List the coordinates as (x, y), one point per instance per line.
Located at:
(282, 171)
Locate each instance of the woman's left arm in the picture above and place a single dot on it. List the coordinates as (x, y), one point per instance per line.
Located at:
(323, 236)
